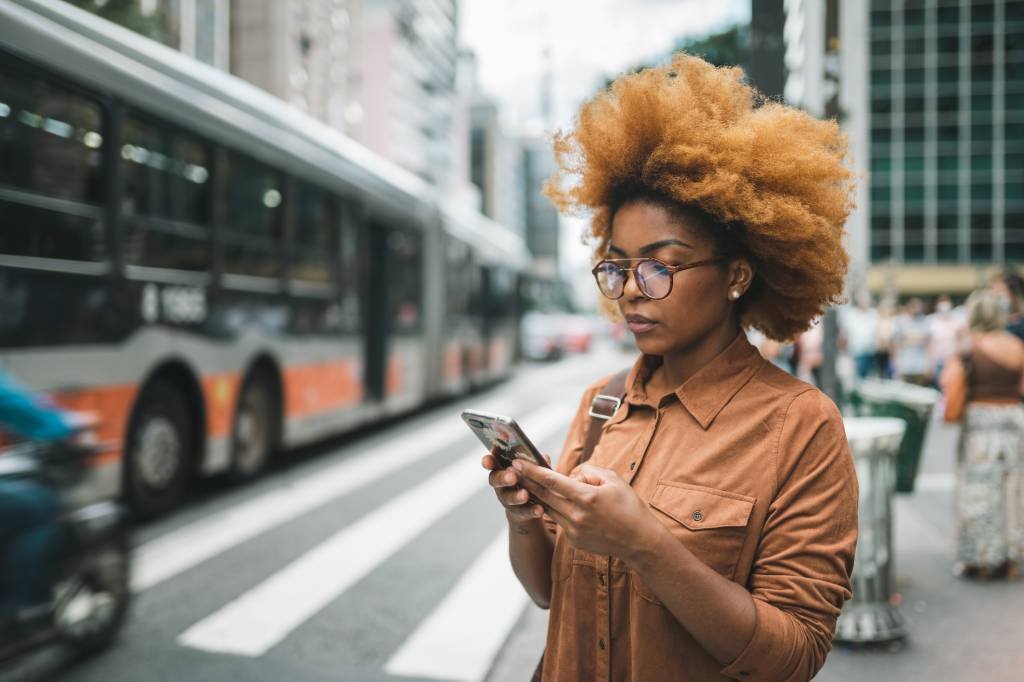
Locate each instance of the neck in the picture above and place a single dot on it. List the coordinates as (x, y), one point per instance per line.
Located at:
(679, 365)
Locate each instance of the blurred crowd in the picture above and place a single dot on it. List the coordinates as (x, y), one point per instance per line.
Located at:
(909, 341)
(974, 353)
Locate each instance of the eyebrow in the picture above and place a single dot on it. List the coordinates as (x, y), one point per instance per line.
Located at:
(653, 246)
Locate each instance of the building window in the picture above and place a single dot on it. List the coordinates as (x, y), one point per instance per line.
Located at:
(981, 237)
(947, 242)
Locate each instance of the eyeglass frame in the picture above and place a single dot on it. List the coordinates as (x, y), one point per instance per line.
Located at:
(673, 269)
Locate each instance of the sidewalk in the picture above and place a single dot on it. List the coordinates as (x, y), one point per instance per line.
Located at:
(958, 630)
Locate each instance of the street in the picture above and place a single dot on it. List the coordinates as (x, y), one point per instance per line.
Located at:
(380, 557)
(383, 557)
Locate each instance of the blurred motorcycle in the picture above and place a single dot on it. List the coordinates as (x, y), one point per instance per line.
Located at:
(90, 591)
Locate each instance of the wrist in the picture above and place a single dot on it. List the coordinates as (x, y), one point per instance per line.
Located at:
(648, 545)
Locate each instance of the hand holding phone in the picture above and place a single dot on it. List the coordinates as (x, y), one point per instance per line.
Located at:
(505, 441)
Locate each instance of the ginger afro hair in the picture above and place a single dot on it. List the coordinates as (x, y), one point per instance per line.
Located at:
(771, 178)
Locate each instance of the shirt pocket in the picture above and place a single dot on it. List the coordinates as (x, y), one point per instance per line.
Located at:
(710, 523)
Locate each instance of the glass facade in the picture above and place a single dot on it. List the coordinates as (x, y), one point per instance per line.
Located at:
(946, 131)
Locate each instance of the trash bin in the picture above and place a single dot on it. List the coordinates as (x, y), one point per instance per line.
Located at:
(913, 404)
(870, 616)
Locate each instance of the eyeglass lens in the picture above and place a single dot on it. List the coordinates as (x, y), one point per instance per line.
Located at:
(653, 279)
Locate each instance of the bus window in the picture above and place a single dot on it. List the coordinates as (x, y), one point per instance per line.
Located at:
(353, 254)
(405, 274)
(458, 277)
(255, 213)
(51, 181)
(166, 199)
(313, 249)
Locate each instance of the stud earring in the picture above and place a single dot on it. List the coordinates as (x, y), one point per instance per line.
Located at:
(734, 294)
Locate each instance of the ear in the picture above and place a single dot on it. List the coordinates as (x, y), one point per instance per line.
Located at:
(741, 275)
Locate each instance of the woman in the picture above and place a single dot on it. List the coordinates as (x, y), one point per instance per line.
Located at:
(990, 459)
(712, 531)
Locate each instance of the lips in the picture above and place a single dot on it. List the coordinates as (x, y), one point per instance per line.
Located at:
(638, 324)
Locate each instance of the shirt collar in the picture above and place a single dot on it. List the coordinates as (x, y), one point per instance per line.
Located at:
(707, 392)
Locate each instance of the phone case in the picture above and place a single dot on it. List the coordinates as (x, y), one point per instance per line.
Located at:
(503, 437)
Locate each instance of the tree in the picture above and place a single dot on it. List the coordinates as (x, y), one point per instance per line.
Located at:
(725, 48)
(127, 13)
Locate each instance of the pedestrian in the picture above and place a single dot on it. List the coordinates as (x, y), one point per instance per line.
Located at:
(990, 457)
(886, 330)
(910, 340)
(945, 329)
(1009, 286)
(859, 328)
(712, 531)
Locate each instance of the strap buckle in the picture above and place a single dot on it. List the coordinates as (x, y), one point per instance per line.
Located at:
(616, 402)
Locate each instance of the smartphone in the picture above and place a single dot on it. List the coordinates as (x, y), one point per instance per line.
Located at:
(503, 438)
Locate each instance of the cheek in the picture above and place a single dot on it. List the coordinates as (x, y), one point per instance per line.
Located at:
(698, 298)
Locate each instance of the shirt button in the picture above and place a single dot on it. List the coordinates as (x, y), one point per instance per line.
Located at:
(632, 465)
(600, 644)
(697, 516)
(600, 579)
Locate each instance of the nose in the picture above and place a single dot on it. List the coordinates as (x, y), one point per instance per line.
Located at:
(631, 290)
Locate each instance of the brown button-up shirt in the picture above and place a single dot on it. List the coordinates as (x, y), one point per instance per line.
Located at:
(750, 469)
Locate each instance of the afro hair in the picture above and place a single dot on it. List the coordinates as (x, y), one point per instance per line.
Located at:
(771, 176)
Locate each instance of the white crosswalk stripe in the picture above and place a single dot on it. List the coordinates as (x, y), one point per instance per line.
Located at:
(186, 547)
(262, 617)
(461, 637)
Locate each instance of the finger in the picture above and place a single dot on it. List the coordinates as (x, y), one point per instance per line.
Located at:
(525, 512)
(489, 462)
(559, 518)
(550, 479)
(547, 497)
(547, 458)
(592, 475)
(513, 498)
(503, 478)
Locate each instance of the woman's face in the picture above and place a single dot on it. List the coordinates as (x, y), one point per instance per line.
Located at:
(699, 301)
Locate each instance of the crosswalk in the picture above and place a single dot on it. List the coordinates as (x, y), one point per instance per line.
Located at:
(263, 611)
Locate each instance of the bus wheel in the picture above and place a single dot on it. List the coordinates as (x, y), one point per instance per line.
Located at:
(158, 451)
(253, 439)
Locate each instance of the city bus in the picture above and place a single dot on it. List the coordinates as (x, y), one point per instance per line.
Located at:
(215, 274)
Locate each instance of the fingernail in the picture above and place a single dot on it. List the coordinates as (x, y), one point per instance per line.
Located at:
(537, 511)
(509, 478)
(517, 465)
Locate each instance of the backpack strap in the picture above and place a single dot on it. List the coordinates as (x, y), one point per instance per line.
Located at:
(602, 407)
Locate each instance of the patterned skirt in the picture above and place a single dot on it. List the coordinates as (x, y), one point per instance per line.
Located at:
(990, 486)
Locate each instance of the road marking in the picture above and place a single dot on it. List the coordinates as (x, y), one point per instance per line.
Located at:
(460, 639)
(262, 617)
(186, 547)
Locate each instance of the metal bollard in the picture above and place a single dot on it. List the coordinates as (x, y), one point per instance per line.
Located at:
(870, 615)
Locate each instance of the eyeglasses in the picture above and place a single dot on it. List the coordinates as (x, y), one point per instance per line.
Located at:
(653, 278)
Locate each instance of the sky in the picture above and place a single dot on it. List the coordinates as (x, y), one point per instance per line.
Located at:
(589, 40)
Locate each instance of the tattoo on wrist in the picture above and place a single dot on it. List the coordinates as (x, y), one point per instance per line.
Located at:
(523, 530)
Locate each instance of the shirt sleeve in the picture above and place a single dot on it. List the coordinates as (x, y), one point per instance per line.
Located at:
(572, 449)
(801, 574)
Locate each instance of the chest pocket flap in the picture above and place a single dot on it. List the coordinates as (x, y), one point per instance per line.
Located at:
(700, 508)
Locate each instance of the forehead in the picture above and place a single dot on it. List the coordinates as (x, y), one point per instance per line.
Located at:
(637, 223)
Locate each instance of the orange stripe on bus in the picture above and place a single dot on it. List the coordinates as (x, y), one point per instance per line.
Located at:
(320, 387)
(395, 378)
(220, 392)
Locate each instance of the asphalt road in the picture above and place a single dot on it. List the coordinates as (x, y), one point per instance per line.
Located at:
(379, 557)
(382, 557)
